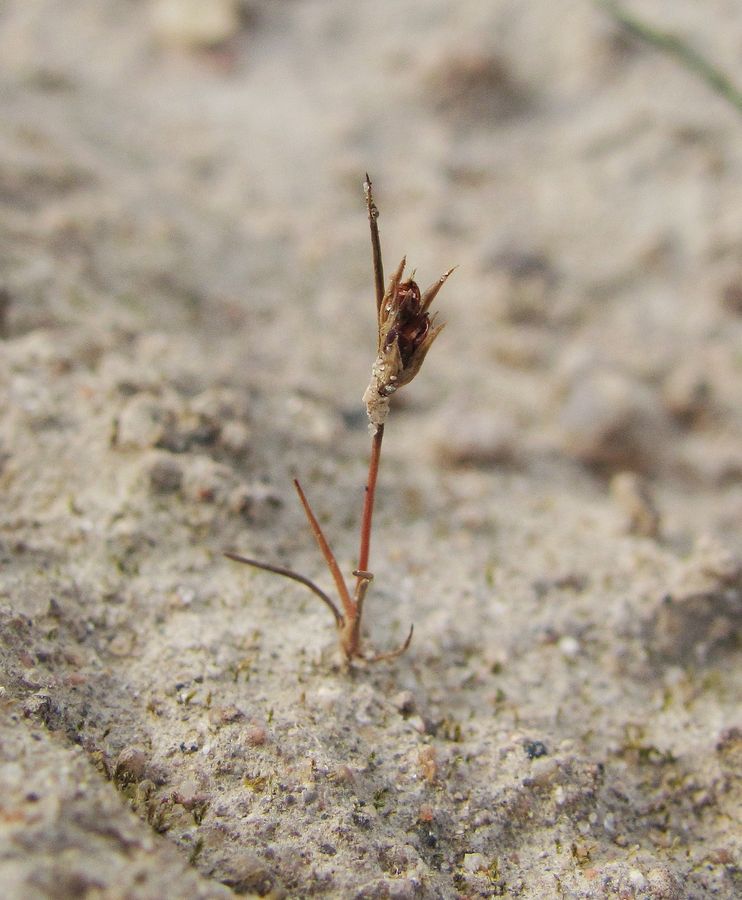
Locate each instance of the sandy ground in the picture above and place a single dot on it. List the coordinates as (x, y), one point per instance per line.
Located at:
(187, 321)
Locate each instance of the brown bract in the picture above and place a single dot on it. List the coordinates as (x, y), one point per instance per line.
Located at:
(406, 333)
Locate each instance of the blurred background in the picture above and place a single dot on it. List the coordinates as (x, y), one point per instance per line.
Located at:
(187, 320)
(198, 166)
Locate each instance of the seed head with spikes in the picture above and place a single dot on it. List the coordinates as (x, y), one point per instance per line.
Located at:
(406, 333)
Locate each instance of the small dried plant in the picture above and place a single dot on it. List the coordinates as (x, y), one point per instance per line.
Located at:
(406, 332)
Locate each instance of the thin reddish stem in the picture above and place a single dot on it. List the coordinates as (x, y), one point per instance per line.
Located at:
(349, 606)
(368, 504)
(393, 654)
(294, 576)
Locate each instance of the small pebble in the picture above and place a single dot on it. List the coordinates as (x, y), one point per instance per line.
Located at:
(195, 25)
(256, 735)
(366, 703)
(428, 761)
(204, 480)
(477, 440)
(611, 420)
(256, 503)
(631, 493)
(473, 87)
(664, 884)
(418, 723)
(130, 765)
(474, 862)
(122, 643)
(404, 701)
(569, 646)
(142, 423)
(426, 813)
(235, 437)
(731, 297)
(165, 476)
(535, 749)
(686, 393)
(223, 715)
